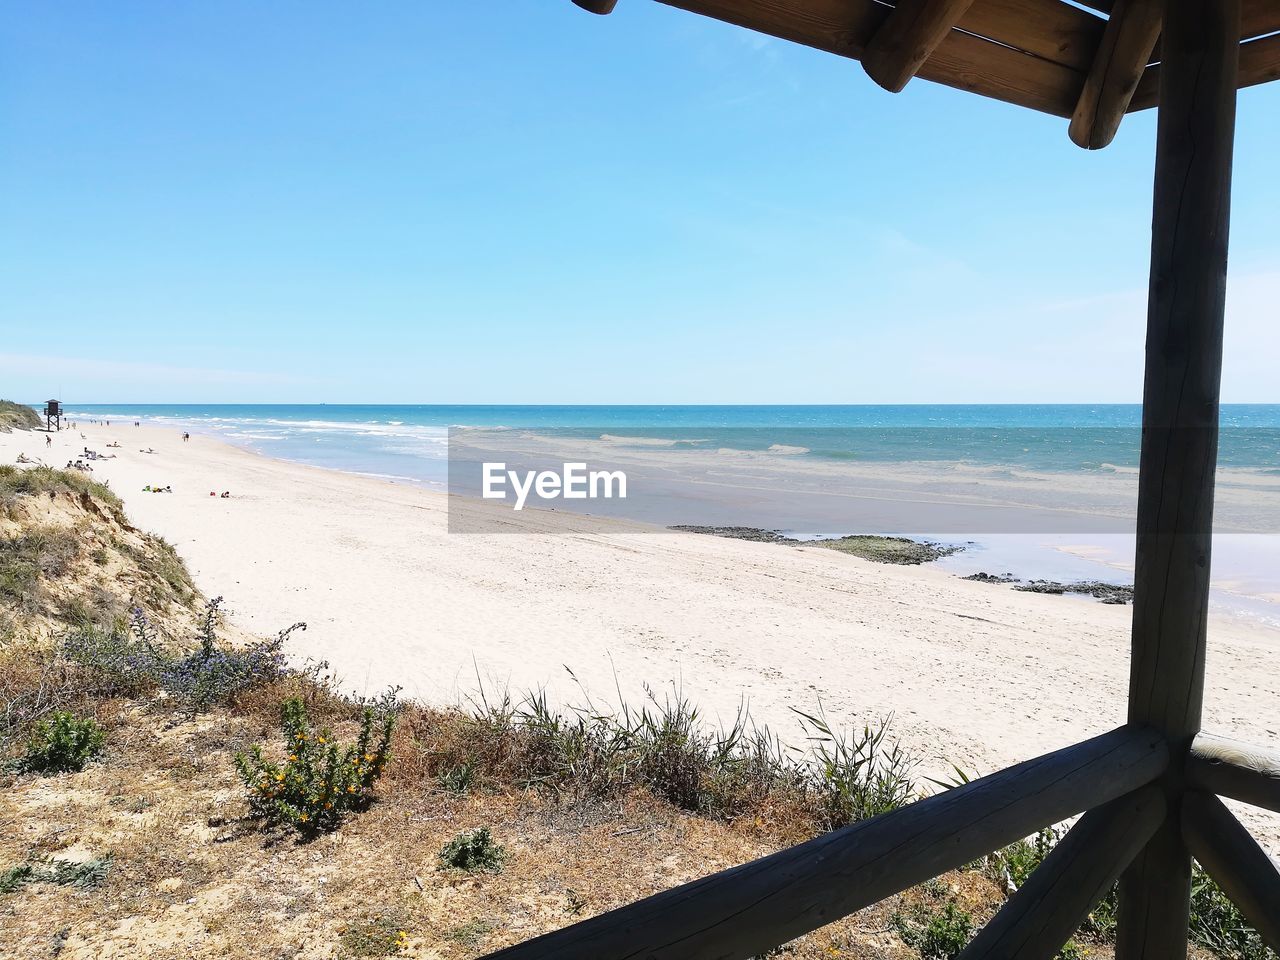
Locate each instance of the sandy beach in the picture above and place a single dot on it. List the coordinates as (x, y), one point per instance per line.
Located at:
(974, 674)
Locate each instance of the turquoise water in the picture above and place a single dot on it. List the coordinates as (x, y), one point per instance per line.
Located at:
(409, 442)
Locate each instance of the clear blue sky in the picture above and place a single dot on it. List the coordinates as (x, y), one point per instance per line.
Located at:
(520, 202)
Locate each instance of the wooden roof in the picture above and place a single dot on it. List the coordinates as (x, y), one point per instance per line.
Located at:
(1091, 61)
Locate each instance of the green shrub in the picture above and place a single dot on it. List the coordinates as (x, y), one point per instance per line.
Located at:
(473, 851)
(62, 744)
(938, 935)
(319, 782)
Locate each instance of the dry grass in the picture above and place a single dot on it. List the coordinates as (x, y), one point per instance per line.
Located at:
(192, 877)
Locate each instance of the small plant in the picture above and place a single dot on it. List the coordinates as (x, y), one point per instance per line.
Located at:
(381, 936)
(859, 775)
(935, 935)
(470, 934)
(473, 851)
(319, 782)
(62, 744)
(460, 778)
(64, 873)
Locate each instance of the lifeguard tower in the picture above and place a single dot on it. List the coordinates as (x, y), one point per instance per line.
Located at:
(52, 415)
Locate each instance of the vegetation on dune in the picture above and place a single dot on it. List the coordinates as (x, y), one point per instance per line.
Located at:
(18, 416)
(198, 674)
(62, 744)
(473, 851)
(32, 556)
(16, 482)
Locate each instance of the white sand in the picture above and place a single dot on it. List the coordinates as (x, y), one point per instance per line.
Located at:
(975, 674)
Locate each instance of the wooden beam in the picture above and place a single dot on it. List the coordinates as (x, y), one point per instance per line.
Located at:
(1233, 858)
(744, 911)
(1050, 29)
(601, 7)
(1233, 769)
(961, 60)
(1118, 65)
(1050, 906)
(1190, 225)
(908, 38)
(1259, 63)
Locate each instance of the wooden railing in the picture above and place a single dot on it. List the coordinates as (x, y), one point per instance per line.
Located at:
(1113, 779)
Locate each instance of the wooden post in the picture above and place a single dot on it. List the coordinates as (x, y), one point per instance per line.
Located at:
(1194, 140)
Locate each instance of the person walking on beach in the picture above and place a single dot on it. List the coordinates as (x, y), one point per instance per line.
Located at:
(48, 441)
(186, 437)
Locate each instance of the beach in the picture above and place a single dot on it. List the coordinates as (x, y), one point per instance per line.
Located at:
(974, 674)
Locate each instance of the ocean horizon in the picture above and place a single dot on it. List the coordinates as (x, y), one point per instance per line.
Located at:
(408, 442)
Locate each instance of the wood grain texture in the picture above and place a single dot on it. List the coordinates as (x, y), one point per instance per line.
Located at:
(907, 38)
(1050, 906)
(744, 911)
(1118, 65)
(1259, 63)
(1190, 226)
(1234, 769)
(1233, 858)
(1050, 29)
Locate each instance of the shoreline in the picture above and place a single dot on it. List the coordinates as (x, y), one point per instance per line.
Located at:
(974, 675)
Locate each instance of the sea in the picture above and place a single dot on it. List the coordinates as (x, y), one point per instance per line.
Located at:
(788, 468)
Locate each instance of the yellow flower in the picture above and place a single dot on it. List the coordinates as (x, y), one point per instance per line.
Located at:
(279, 777)
(293, 757)
(302, 817)
(351, 789)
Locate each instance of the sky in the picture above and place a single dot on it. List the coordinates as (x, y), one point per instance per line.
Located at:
(457, 202)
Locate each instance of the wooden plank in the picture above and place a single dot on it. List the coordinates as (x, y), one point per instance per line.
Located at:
(1118, 65)
(1258, 18)
(602, 7)
(744, 911)
(963, 61)
(981, 66)
(1259, 63)
(1189, 237)
(1050, 29)
(907, 38)
(1233, 858)
(1050, 906)
(1233, 769)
